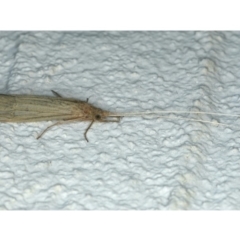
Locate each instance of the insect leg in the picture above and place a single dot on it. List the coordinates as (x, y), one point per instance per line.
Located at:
(58, 123)
(85, 134)
(56, 94)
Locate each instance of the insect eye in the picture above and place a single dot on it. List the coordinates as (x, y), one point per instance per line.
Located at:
(98, 117)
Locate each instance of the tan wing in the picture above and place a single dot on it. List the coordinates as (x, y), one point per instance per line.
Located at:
(30, 108)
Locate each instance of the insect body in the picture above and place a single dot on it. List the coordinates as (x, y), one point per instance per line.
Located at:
(30, 108)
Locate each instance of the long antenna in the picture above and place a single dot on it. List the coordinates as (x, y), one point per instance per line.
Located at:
(198, 120)
(134, 114)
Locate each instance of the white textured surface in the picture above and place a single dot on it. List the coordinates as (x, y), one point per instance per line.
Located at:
(139, 163)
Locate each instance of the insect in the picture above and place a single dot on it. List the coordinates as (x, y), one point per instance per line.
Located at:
(31, 108)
